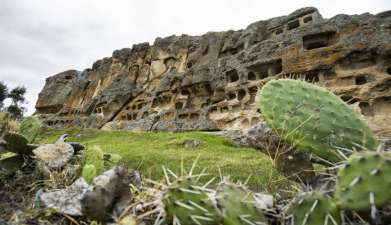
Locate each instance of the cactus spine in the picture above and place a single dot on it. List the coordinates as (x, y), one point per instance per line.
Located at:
(188, 203)
(364, 182)
(312, 209)
(238, 205)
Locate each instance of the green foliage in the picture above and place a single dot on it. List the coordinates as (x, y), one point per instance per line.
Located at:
(148, 152)
(94, 156)
(115, 158)
(3, 93)
(17, 95)
(7, 124)
(89, 172)
(111, 160)
(188, 204)
(314, 119)
(237, 205)
(16, 143)
(9, 165)
(15, 111)
(364, 181)
(30, 127)
(4, 123)
(312, 209)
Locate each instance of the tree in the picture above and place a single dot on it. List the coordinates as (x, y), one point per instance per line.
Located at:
(3, 94)
(15, 111)
(17, 97)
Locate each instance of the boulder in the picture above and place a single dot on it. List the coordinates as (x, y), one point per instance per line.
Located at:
(190, 144)
(107, 192)
(66, 200)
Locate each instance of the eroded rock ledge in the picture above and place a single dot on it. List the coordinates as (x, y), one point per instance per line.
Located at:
(210, 82)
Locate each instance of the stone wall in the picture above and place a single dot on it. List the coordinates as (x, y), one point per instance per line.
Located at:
(210, 82)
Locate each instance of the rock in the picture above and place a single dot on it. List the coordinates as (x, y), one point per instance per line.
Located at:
(108, 194)
(210, 82)
(264, 201)
(66, 200)
(54, 156)
(259, 136)
(192, 143)
(98, 201)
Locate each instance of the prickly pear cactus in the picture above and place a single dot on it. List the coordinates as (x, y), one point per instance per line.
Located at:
(364, 181)
(314, 119)
(238, 205)
(17, 143)
(186, 201)
(89, 172)
(30, 127)
(313, 209)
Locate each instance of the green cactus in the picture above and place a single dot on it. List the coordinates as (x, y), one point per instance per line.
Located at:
(17, 143)
(312, 209)
(314, 119)
(30, 127)
(185, 201)
(364, 181)
(11, 164)
(89, 172)
(238, 205)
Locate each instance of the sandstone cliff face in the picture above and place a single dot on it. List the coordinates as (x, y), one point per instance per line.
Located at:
(210, 82)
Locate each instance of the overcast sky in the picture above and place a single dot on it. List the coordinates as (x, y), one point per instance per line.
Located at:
(39, 38)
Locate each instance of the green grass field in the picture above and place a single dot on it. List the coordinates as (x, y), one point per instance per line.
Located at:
(148, 152)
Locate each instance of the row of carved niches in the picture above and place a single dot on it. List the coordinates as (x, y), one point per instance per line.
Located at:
(295, 23)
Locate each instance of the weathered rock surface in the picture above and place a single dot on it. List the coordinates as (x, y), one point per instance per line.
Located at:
(191, 144)
(66, 200)
(109, 191)
(108, 194)
(210, 82)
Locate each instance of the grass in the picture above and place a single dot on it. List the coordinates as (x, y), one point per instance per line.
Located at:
(148, 152)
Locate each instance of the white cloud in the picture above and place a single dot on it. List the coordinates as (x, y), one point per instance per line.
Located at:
(39, 38)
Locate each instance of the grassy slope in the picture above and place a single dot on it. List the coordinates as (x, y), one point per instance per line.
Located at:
(148, 152)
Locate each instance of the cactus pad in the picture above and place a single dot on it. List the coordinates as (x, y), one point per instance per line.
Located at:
(314, 119)
(312, 209)
(184, 202)
(17, 143)
(364, 181)
(238, 205)
(89, 172)
(30, 127)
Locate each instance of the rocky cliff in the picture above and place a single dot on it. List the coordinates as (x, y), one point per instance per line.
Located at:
(210, 82)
